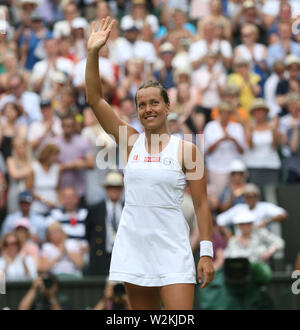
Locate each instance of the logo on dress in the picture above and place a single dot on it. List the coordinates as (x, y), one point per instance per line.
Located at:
(167, 161)
(152, 159)
(135, 157)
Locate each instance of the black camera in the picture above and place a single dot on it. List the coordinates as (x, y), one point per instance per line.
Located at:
(119, 290)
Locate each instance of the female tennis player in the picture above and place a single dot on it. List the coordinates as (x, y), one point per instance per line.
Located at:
(152, 253)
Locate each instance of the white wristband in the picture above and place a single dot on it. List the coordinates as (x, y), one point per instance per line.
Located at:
(206, 249)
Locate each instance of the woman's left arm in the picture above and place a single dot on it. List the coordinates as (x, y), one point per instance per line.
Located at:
(193, 165)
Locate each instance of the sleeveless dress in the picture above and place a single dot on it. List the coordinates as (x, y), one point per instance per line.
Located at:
(152, 246)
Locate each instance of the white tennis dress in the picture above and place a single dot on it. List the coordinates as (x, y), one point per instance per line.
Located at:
(152, 246)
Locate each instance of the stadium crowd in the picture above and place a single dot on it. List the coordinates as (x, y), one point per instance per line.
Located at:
(232, 71)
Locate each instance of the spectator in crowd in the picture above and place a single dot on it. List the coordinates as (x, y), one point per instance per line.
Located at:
(290, 84)
(209, 79)
(135, 47)
(11, 68)
(250, 49)
(44, 295)
(174, 126)
(127, 112)
(60, 255)
(279, 10)
(75, 156)
(37, 222)
(139, 16)
(18, 168)
(28, 247)
(255, 244)
(15, 266)
(246, 80)
(10, 128)
(63, 27)
(49, 126)
(72, 218)
(51, 11)
(31, 41)
(24, 21)
(293, 142)
(29, 102)
(264, 212)
(115, 297)
(224, 141)
(284, 46)
(107, 75)
(199, 49)
(220, 237)
(102, 145)
(102, 9)
(166, 74)
(6, 45)
(285, 122)
(78, 37)
(270, 88)
(183, 96)
(43, 71)
(249, 13)
(262, 138)
(216, 16)
(272, 22)
(135, 68)
(102, 225)
(177, 28)
(230, 93)
(43, 180)
(233, 193)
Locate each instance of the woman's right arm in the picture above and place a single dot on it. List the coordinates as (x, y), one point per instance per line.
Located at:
(16, 174)
(106, 116)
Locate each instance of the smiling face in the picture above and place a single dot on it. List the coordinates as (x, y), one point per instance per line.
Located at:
(152, 109)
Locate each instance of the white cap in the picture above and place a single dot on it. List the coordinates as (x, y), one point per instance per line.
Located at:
(22, 222)
(166, 47)
(244, 217)
(291, 59)
(79, 23)
(237, 166)
(172, 116)
(4, 26)
(58, 77)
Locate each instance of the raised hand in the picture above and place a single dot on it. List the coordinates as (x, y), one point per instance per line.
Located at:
(100, 32)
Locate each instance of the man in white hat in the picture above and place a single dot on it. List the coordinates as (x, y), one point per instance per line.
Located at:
(102, 224)
(252, 243)
(233, 193)
(166, 74)
(43, 71)
(290, 83)
(264, 212)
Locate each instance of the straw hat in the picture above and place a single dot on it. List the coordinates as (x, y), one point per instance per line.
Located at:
(225, 106)
(259, 103)
(113, 179)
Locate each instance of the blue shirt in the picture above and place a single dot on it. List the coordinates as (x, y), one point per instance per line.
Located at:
(32, 44)
(277, 52)
(37, 224)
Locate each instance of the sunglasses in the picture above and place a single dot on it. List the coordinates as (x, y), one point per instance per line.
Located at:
(12, 243)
